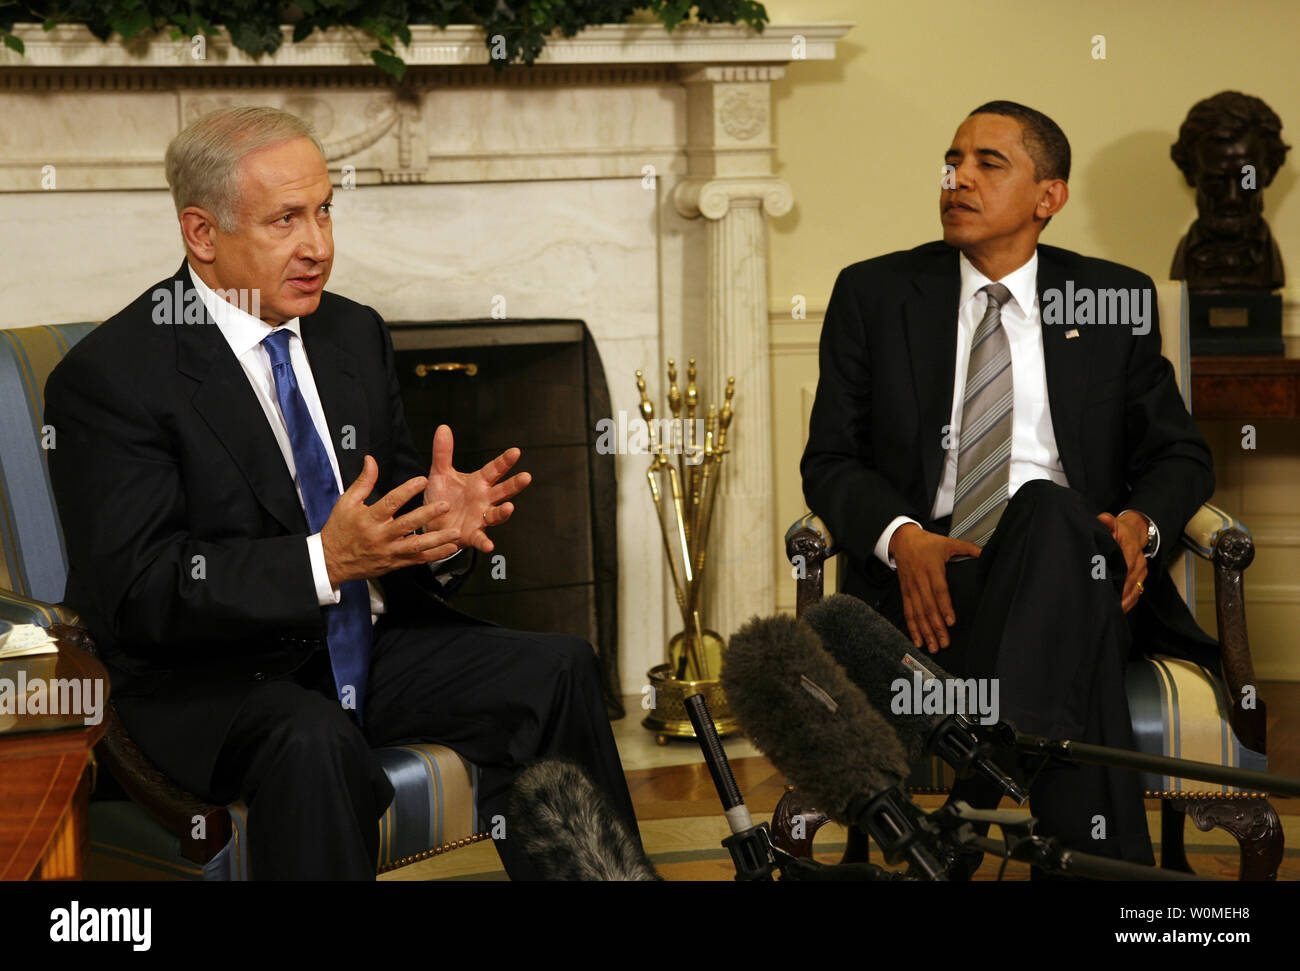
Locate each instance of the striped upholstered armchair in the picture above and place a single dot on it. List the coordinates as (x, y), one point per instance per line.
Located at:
(1178, 708)
(147, 827)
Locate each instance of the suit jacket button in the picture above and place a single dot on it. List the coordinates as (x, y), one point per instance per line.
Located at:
(259, 675)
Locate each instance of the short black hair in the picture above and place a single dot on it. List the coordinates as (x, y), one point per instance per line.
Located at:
(1043, 139)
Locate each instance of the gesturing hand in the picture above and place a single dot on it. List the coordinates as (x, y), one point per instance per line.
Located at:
(476, 500)
(921, 558)
(361, 542)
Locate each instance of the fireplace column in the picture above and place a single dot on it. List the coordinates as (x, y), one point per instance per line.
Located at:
(730, 184)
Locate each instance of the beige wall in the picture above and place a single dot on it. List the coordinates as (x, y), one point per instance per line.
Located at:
(861, 141)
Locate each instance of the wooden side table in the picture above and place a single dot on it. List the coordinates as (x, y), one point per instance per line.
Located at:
(1246, 387)
(47, 772)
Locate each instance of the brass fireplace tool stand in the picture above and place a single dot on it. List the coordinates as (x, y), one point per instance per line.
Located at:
(684, 490)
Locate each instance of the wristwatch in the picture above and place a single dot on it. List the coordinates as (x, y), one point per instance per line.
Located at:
(1153, 534)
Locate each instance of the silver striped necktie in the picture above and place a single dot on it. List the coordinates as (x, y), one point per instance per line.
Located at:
(984, 447)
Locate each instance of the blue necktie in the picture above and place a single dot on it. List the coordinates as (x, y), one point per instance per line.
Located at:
(348, 631)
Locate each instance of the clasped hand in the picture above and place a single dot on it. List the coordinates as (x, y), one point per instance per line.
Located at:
(362, 542)
(1129, 530)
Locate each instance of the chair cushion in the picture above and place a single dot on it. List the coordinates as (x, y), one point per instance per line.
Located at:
(434, 804)
(433, 810)
(1180, 709)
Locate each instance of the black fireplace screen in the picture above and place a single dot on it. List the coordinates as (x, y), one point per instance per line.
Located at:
(538, 385)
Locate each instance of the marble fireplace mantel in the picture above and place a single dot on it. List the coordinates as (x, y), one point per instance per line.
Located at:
(645, 157)
(457, 45)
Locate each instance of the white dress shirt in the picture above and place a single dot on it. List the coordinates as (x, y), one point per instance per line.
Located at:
(245, 333)
(1033, 440)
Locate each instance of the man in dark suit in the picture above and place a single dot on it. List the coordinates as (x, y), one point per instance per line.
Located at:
(263, 631)
(1006, 475)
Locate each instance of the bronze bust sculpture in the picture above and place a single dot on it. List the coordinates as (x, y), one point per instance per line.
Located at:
(1229, 148)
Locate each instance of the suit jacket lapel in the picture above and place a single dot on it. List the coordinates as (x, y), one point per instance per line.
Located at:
(1067, 363)
(341, 395)
(228, 405)
(930, 328)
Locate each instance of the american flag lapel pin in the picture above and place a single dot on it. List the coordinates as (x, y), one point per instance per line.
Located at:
(1071, 333)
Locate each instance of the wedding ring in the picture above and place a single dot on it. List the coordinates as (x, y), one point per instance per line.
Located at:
(1141, 589)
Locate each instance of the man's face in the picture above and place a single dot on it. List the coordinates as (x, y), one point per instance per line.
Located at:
(284, 241)
(994, 195)
(1223, 206)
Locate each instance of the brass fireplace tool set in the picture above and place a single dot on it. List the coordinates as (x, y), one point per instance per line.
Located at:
(684, 490)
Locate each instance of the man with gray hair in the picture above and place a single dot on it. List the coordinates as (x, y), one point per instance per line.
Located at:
(264, 631)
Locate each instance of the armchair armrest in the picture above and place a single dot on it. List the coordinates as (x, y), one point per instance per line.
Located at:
(17, 609)
(1208, 526)
(808, 545)
(813, 522)
(1214, 535)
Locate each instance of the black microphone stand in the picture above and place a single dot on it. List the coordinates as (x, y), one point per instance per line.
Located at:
(750, 846)
(954, 820)
(1071, 751)
(956, 741)
(901, 830)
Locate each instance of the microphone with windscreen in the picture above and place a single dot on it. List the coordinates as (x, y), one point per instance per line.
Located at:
(875, 656)
(568, 828)
(799, 708)
(750, 845)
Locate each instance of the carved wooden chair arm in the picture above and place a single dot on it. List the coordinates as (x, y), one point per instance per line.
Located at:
(808, 545)
(1216, 536)
(178, 811)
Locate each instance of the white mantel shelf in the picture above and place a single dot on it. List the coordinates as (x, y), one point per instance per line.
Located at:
(71, 46)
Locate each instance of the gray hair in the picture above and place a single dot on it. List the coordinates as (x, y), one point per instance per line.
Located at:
(202, 162)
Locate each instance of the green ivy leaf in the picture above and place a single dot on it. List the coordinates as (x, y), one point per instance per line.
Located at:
(253, 25)
(673, 12)
(389, 64)
(132, 22)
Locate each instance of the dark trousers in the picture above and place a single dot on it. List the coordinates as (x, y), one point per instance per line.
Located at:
(500, 698)
(1039, 610)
